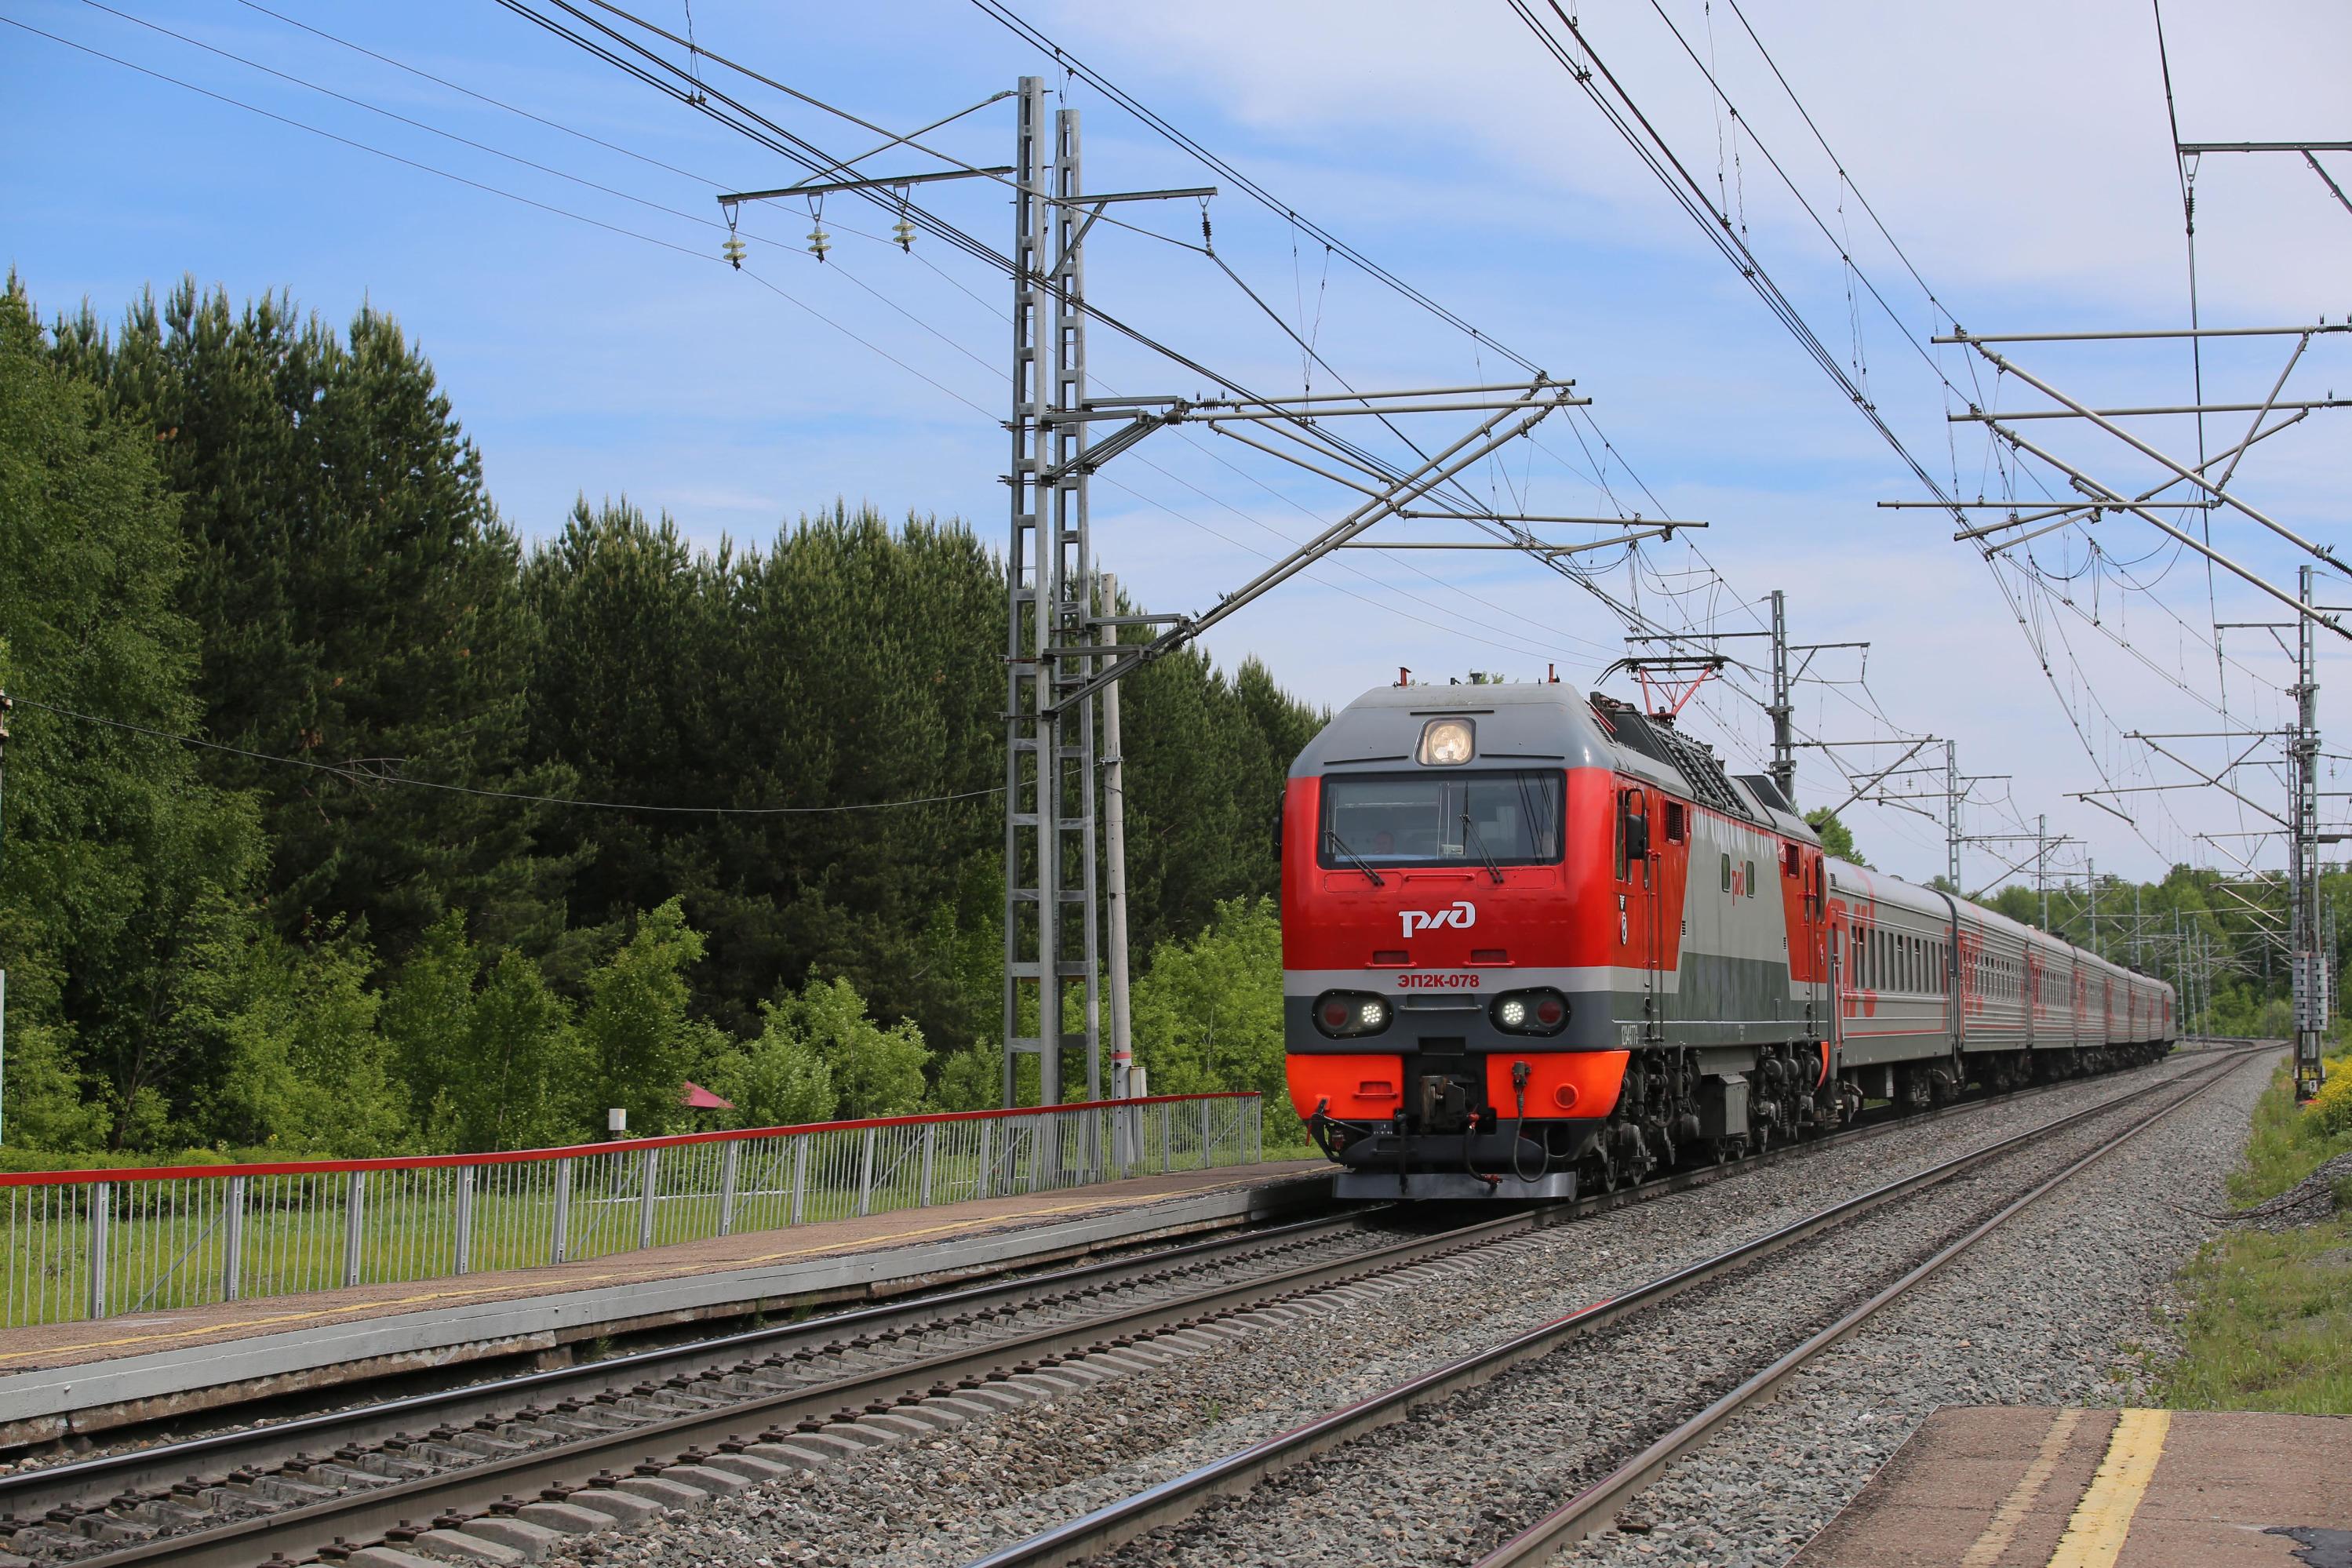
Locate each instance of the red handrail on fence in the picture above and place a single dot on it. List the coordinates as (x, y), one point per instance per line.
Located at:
(574, 1151)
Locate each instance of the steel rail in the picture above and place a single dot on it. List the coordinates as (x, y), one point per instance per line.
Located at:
(1178, 1497)
(30, 1493)
(358, 1516)
(1588, 1511)
(34, 1492)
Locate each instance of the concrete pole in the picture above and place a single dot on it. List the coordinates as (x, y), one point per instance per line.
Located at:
(2041, 866)
(1122, 1050)
(1952, 815)
(1784, 744)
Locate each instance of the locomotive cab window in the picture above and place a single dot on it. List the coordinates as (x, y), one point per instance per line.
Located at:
(1472, 818)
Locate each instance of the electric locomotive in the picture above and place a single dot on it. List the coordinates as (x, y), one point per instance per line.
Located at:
(1534, 943)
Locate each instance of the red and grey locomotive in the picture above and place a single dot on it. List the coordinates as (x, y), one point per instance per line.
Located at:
(1534, 943)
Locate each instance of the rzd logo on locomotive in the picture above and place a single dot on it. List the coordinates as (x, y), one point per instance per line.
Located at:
(1461, 915)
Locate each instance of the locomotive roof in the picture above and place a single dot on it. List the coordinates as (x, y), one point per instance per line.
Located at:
(1543, 723)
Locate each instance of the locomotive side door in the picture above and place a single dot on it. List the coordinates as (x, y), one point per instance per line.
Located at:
(1813, 934)
(1637, 901)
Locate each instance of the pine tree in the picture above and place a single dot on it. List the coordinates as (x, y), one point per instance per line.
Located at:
(112, 840)
(358, 605)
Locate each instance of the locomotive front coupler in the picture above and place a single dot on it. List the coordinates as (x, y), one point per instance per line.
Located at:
(1331, 1134)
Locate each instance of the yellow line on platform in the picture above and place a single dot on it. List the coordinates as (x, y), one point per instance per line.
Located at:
(2094, 1535)
(277, 1320)
(2015, 1508)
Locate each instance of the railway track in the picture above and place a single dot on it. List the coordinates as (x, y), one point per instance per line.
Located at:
(659, 1426)
(1594, 1507)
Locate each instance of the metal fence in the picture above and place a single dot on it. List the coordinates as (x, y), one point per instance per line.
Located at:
(92, 1244)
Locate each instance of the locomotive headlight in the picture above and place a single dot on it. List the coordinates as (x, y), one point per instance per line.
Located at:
(1445, 742)
(1539, 1011)
(1341, 1014)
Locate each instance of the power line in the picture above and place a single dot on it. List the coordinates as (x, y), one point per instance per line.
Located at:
(850, 276)
(1020, 28)
(355, 774)
(513, 196)
(1649, 145)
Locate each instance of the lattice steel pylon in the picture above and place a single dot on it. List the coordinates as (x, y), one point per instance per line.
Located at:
(1051, 924)
(1062, 652)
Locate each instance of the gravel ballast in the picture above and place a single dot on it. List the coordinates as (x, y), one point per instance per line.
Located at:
(2070, 1304)
(1460, 1476)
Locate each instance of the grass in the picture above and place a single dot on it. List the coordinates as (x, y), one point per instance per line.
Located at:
(2270, 1318)
(2288, 1142)
(167, 1242)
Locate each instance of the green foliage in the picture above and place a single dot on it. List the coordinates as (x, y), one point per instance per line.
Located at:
(779, 1079)
(47, 1107)
(113, 839)
(2270, 1320)
(246, 526)
(2021, 905)
(1837, 839)
(488, 1051)
(2330, 1113)
(642, 1042)
(1208, 1015)
(876, 1071)
(357, 598)
(300, 1065)
(2270, 1324)
(2291, 1141)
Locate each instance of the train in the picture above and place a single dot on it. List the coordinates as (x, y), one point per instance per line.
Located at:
(1536, 944)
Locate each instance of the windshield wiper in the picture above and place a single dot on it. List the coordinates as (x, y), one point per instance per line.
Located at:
(1471, 834)
(1361, 864)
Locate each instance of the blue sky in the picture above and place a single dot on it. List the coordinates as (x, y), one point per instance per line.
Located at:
(2019, 153)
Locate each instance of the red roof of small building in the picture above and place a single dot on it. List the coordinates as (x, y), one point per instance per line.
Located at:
(696, 1097)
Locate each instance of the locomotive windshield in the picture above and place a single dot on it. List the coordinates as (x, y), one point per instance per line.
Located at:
(1422, 819)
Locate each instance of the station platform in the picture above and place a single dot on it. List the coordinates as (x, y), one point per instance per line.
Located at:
(2032, 1487)
(62, 1379)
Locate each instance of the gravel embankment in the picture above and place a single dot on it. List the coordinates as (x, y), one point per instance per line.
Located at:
(2070, 1304)
(1427, 1490)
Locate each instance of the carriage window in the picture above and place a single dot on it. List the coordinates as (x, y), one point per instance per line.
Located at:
(1751, 879)
(1726, 873)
